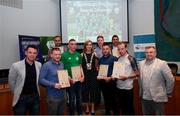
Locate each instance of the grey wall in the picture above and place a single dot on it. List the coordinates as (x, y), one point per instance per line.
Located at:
(141, 16)
(38, 17)
(1, 60)
(41, 17)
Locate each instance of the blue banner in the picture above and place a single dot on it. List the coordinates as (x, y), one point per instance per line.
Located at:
(24, 41)
(140, 42)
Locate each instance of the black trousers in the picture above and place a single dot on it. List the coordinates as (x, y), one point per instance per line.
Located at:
(125, 101)
(109, 95)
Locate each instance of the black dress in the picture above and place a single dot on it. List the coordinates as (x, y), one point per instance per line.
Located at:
(90, 87)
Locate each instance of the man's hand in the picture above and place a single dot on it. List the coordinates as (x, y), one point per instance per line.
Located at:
(81, 78)
(169, 95)
(123, 78)
(107, 79)
(57, 86)
(71, 80)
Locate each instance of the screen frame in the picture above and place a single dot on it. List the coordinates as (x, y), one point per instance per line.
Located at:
(81, 43)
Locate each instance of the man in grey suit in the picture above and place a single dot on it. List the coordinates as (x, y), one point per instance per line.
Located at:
(23, 81)
(156, 83)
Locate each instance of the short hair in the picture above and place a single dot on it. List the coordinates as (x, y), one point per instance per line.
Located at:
(115, 36)
(120, 43)
(148, 47)
(31, 46)
(55, 49)
(86, 43)
(57, 36)
(106, 45)
(100, 36)
(71, 40)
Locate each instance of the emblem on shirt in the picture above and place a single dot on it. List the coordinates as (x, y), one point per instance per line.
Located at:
(77, 58)
(69, 58)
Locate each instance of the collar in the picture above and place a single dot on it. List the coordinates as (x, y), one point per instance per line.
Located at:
(106, 56)
(114, 47)
(28, 63)
(150, 62)
(99, 47)
(71, 53)
(124, 56)
(53, 62)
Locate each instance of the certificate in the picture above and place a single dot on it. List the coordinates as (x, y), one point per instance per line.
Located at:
(63, 78)
(103, 70)
(115, 52)
(118, 70)
(76, 73)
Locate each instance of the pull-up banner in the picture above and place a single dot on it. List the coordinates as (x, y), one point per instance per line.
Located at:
(24, 41)
(140, 42)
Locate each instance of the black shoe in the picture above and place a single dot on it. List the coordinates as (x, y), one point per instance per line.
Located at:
(107, 113)
(92, 113)
(87, 113)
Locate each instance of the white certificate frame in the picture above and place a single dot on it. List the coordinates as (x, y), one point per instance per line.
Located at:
(119, 70)
(63, 78)
(103, 70)
(115, 52)
(76, 73)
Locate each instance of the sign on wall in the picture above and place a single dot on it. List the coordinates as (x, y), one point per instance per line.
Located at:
(140, 42)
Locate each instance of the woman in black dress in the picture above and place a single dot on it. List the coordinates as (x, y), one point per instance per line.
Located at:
(90, 89)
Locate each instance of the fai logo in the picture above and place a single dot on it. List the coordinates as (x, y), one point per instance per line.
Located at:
(77, 58)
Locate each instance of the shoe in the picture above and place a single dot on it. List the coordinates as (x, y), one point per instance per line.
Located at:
(107, 113)
(92, 113)
(87, 113)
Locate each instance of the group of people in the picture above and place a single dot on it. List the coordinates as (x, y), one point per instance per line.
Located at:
(155, 79)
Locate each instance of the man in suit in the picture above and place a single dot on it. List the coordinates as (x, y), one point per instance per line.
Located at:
(23, 81)
(156, 83)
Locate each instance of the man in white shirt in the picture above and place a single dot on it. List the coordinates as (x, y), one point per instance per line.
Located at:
(125, 81)
(114, 48)
(156, 83)
(57, 43)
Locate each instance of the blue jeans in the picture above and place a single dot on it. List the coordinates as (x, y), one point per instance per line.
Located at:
(75, 94)
(56, 105)
(27, 103)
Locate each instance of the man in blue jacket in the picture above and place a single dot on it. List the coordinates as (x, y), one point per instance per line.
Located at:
(55, 95)
(108, 84)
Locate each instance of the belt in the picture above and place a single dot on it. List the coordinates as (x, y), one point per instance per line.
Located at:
(28, 94)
